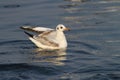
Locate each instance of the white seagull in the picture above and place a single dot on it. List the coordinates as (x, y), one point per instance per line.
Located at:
(48, 38)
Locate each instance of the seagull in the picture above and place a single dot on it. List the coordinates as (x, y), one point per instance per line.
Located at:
(48, 38)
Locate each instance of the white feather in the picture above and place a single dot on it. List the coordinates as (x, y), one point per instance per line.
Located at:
(42, 29)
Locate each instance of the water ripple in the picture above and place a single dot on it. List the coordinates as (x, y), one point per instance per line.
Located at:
(28, 68)
(84, 44)
(26, 72)
(111, 76)
(13, 42)
(11, 6)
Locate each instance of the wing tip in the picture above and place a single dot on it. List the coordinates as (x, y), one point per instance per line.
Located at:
(21, 27)
(26, 28)
(30, 35)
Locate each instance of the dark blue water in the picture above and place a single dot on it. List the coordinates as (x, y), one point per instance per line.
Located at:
(93, 43)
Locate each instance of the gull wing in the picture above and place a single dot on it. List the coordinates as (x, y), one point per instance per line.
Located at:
(36, 29)
(42, 40)
(47, 38)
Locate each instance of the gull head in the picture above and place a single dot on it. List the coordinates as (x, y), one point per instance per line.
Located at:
(61, 27)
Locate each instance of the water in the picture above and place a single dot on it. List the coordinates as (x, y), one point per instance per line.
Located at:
(93, 43)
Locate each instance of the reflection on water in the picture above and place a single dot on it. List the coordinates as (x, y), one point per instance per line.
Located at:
(56, 57)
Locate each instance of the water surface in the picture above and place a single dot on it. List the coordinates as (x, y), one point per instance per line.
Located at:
(93, 43)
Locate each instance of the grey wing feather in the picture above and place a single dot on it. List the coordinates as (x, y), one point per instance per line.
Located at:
(46, 35)
(47, 38)
(50, 35)
(31, 29)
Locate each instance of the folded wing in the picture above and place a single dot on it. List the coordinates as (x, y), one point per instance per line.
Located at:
(48, 38)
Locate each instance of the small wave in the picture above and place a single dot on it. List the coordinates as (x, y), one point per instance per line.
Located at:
(29, 68)
(13, 42)
(84, 44)
(104, 77)
(80, 52)
(11, 6)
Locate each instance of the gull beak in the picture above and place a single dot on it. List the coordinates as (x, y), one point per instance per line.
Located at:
(67, 29)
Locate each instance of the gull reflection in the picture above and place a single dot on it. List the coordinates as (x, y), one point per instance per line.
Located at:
(56, 57)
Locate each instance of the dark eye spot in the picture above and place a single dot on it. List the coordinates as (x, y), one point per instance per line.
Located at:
(57, 28)
(61, 27)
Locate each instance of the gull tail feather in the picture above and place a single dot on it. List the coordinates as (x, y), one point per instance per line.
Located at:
(30, 35)
(32, 39)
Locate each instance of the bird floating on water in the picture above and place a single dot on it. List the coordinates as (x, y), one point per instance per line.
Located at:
(48, 38)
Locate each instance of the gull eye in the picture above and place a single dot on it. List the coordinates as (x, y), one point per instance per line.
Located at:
(61, 27)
